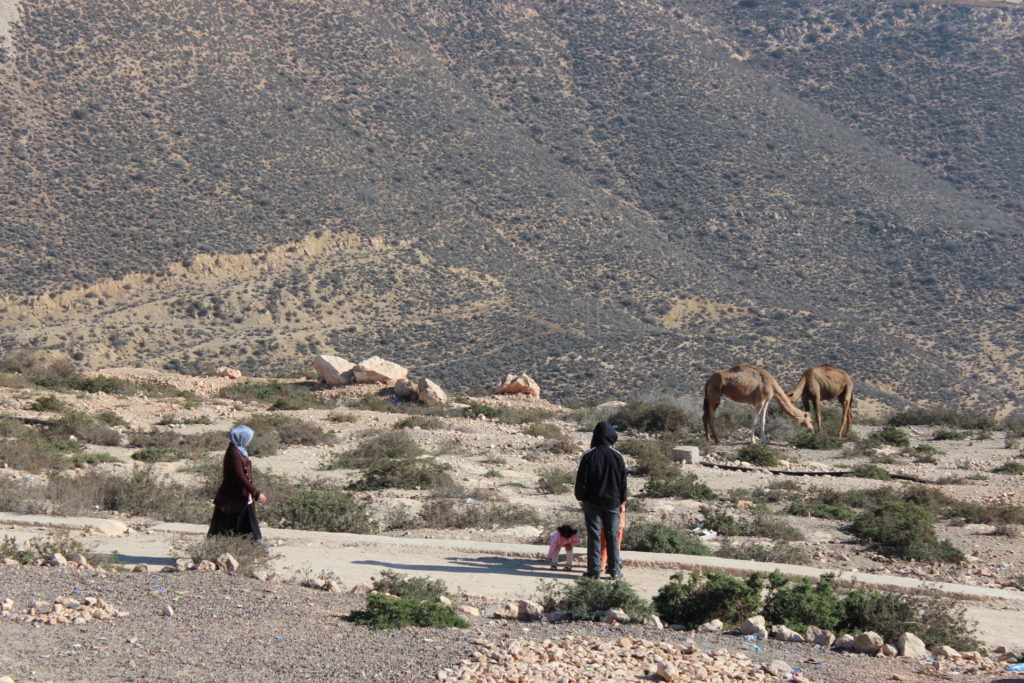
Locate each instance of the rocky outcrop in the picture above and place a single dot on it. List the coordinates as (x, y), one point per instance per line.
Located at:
(225, 371)
(376, 369)
(431, 393)
(518, 384)
(333, 370)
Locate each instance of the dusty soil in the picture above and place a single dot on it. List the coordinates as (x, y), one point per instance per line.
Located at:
(225, 626)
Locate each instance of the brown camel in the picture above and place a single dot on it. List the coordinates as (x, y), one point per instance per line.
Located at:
(824, 383)
(747, 384)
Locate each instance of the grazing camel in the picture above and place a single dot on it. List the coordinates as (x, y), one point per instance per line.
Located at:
(824, 383)
(747, 384)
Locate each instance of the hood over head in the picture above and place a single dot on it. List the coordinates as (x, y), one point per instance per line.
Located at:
(604, 435)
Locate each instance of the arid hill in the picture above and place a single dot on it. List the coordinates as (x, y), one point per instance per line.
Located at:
(614, 196)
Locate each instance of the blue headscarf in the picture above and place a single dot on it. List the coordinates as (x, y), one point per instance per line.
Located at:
(240, 437)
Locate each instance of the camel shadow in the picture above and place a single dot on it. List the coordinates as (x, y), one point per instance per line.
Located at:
(482, 565)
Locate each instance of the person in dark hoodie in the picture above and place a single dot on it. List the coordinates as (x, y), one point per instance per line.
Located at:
(601, 488)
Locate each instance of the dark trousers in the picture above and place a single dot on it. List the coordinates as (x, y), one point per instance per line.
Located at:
(596, 518)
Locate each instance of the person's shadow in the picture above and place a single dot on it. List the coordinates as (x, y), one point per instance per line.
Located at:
(512, 566)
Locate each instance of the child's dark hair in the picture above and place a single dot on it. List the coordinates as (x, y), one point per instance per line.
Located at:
(566, 531)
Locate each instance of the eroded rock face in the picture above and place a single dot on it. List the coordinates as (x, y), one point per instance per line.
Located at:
(225, 371)
(376, 369)
(333, 370)
(405, 390)
(518, 384)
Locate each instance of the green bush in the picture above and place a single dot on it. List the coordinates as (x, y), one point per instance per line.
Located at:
(815, 507)
(555, 480)
(869, 471)
(760, 454)
(391, 445)
(33, 450)
(325, 509)
(820, 440)
(936, 619)
(48, 404)
(803, 603)
(943, 416)
(893, 436)
(86, 428)
(383, 612)
(663, 416)
(546, 430)
(280, 396)
(904, 529)
(420, 421)
(672, 482)
(660, 538)
(585, 598)
(1010, 467)
(718, 520)
(404, 473)
(703, 597)
(649, 456)
(275, 431)
(415, 587)
(777, 552)
(949, 435)
(774, 527)
(445, 513)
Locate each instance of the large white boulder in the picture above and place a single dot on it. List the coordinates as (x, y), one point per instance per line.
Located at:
(431, 393)
(376, 369)
(333, 370)
(518, 384)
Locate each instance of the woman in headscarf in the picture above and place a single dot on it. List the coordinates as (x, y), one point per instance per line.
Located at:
(234, 509)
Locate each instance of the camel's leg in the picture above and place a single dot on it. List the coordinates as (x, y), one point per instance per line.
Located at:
(816, 405)
(846, 401)
(761, 410)
(710, 406)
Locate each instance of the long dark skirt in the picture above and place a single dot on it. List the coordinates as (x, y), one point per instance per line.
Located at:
(236, 524)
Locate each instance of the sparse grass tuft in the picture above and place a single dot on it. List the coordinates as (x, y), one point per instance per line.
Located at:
(672, 482)
(759, 454)
(555, 480)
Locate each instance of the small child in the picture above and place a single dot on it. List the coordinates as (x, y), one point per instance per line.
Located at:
(565, 537)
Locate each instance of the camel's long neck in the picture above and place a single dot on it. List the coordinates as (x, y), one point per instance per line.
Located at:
(783, 400)
(798, 390)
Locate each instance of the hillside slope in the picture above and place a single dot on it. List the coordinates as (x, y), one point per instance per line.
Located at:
(600, 194)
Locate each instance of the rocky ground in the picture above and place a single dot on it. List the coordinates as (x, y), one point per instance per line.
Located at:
(222, 626)
(278, 630)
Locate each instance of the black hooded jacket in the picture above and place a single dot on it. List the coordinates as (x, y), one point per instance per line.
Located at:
(601, 477)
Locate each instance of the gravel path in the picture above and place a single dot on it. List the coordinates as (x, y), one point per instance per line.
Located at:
(224, 626)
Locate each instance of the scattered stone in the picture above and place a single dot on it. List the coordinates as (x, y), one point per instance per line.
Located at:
(868, 643)
(844, 642)
(666, 671)
(945, 651)
(168, 611)
(777, 667)
(332, 586)
(206, 566)
(333, 370)
(713, 626)
(183, 564)
(57, 560)
(784, 633)
(140, 569)
(468, 611)
(819, 636)
(227, 562)
(509, 610)
(655, 621)
(376, 369)
(81, 560)
(444, 600)
(62, 611)
(558, 617)
(754, 626)
(314, 583)
(529, 610)
(260, 574)
(518, 384)
(910, 645)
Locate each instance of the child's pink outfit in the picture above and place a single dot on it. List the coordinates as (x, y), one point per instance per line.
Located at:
(558, 542)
